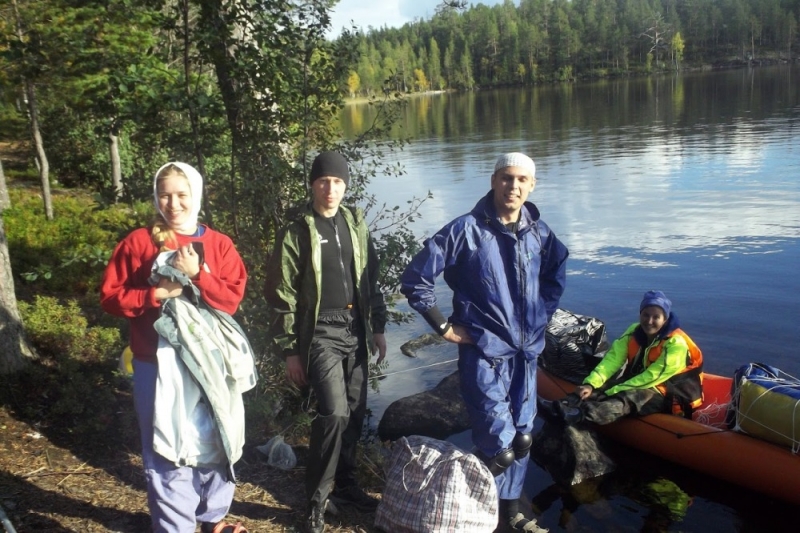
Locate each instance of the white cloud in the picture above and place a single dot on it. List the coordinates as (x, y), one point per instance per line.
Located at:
(379, 13)
(365, 14)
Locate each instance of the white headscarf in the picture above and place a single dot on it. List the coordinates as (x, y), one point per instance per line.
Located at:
(195, 187)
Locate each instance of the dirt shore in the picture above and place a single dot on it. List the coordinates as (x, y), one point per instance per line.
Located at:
(51, 483)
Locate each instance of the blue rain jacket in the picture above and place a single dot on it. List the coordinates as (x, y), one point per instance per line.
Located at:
(505, 286)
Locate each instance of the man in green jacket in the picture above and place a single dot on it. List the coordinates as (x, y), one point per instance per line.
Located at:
(327, 313)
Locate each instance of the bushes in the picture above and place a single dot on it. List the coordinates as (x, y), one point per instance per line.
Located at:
(62, 332)
(73, 385)
(66, 255)
(276, 407)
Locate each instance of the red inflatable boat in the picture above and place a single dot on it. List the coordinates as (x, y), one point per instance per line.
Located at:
(704, 443)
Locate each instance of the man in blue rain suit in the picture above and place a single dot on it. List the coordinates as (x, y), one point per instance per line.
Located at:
(507, 271)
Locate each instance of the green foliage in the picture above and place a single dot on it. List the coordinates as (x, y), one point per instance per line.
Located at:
(420, 81)
(68, 254)
(78, 148)
(353, 83)
(14, 123)
(564, 74)
(73, 384)
(677, 47)
(94, 70)
(62, 332)
(27, 175)
(375, 371)
(485, 45)
(275, 406)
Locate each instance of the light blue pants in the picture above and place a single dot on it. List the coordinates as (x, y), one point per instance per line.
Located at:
(501, 401)
(178, 497)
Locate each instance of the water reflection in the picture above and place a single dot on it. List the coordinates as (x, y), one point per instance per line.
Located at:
(668, 163)
(700, 102)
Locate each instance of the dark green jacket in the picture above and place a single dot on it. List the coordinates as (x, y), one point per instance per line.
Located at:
(294, 279)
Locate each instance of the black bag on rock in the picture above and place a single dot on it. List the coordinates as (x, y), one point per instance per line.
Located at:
(574, 344)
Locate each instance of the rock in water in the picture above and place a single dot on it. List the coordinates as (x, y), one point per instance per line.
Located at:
(438, 413)
(410, 348)
(571, 454)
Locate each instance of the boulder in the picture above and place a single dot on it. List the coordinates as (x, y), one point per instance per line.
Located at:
(410, 348)
(437, 413)
(571, 454)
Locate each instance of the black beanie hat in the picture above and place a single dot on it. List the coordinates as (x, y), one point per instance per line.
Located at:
(330, 164)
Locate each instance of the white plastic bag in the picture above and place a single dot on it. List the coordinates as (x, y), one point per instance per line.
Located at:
(278, 453)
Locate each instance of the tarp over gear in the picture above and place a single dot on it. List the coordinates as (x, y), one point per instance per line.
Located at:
(574, 344)
(765, 403)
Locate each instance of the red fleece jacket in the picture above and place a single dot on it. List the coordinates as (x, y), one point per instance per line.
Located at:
(126, 292)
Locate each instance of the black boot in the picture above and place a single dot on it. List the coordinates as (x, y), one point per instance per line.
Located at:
(547, 408)
(567, 414)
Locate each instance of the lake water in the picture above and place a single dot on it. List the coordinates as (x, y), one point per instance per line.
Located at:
(689, 184)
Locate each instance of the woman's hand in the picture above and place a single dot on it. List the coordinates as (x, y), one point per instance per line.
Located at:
(584, 391)
(187, 261)
(458, 335)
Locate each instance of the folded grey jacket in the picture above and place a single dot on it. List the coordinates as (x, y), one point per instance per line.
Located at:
(205, 363)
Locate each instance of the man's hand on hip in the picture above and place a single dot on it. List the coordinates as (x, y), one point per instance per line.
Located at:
(458, 335)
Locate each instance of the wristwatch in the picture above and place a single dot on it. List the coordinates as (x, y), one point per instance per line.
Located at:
(444, 328)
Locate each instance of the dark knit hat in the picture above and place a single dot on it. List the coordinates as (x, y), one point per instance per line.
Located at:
(330, 164)
(658, 299)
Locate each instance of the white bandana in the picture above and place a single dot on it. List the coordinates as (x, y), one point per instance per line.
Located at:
(195, 187)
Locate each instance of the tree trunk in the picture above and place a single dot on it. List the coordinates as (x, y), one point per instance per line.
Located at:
(116, 168)
(41, 156)
(187, 70)
(5, 201)
(222, 55)
(15, 352)
(33, 116)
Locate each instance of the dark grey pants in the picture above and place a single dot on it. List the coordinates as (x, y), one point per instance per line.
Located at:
(337, 372)
(602, 409)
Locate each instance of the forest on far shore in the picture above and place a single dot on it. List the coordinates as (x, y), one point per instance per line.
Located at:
(535, 41)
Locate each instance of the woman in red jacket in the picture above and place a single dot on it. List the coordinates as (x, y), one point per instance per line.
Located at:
(178, 496)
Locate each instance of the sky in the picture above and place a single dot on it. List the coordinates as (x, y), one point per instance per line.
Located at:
(392, 13)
